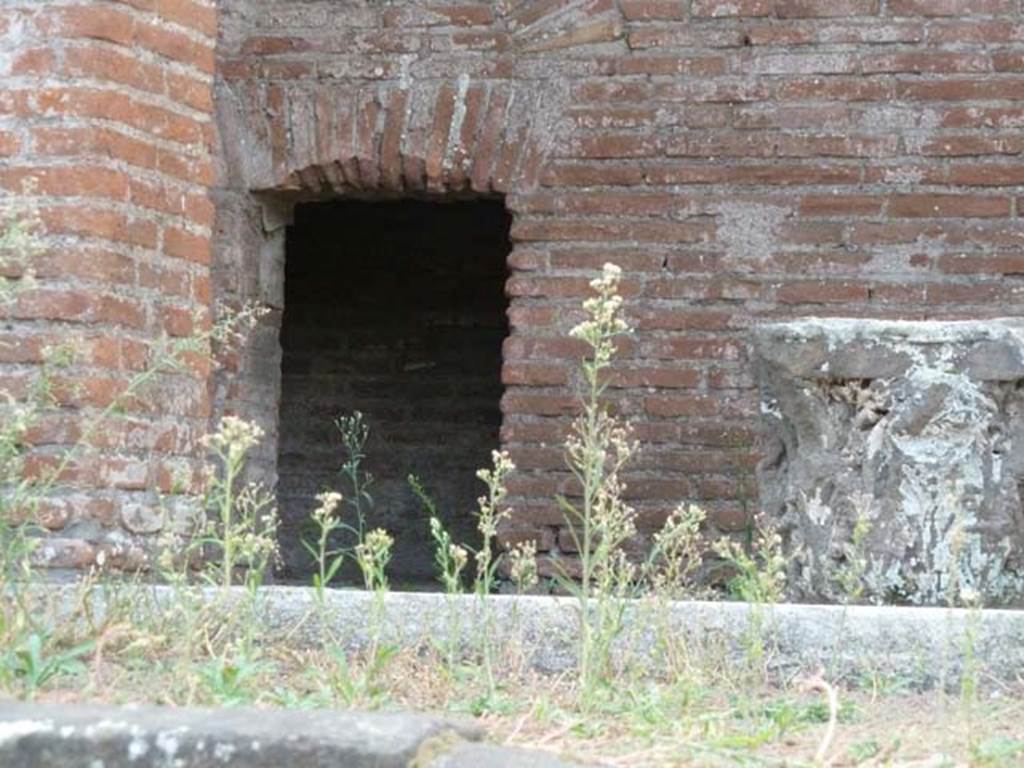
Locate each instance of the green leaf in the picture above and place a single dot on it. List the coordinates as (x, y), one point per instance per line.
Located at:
(334, 566)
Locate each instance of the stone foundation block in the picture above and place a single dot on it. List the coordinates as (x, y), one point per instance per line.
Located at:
(895, 460)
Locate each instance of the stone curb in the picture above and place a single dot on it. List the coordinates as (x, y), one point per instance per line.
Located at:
(922, 647)
(86, 736)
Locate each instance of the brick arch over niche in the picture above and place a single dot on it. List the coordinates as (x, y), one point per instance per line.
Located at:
(444, 137)
(474, 138)
(450, 142)
(291, 136)
(365, 102)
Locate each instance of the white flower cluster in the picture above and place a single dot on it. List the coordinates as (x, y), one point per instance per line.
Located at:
(377, 541)
(234, 437)
(604, 323)
(502, 464)
(677, 552)
(490, 512)
(233, 324)
(523, 565)
(459, 556)
(373, 554)
(451, 557)
(327, 503)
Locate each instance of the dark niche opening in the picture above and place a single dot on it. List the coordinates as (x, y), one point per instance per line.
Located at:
(396, 310)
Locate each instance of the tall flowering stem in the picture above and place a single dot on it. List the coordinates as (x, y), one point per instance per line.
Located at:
(490, 514)
(355, 433)
(599, 521)
(328, 560)
(245, 521)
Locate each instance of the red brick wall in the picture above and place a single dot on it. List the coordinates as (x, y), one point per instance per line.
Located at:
(105, 133)
(742, 160)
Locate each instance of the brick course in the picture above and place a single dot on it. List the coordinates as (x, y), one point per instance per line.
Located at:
(743, 160)
(106, 132)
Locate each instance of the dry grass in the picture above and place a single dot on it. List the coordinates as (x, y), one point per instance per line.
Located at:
(705, 720)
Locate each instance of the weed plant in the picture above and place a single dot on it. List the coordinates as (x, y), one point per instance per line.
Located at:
(355, 432)
(200, 642)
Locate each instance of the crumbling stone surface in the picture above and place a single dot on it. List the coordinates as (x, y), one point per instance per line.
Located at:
(916, 430)
(62, 736)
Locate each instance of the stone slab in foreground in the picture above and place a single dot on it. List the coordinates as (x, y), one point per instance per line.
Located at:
(83, 736)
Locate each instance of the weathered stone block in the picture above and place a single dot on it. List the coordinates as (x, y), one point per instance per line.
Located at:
(86, 736)
(915, 429)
